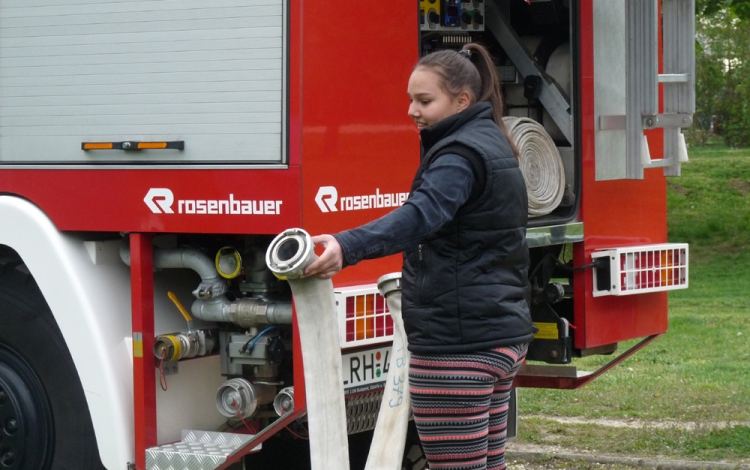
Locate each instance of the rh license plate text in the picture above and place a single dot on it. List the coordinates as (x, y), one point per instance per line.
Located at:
(365, 370)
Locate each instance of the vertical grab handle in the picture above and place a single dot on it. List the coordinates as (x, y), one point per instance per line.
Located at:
(679, 60)
(642, 87)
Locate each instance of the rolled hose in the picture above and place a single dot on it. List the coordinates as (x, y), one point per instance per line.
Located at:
(287, 257)
(387, 448)
(540, 163)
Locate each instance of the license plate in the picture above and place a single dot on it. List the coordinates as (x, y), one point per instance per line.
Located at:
(365, 370)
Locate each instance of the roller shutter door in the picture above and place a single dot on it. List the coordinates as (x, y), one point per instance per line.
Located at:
(208, 73)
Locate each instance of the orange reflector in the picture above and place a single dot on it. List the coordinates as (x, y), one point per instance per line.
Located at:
(151, 145)
(97, 146)
(641, 269)
(366, 316)
(131, 145)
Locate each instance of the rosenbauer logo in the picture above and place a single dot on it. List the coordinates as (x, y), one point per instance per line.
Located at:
(328, 200)
(162, 201)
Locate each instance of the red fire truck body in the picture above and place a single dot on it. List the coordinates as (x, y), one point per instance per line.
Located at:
(347, 154)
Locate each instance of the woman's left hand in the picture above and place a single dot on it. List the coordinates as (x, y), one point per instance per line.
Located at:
(330, 262)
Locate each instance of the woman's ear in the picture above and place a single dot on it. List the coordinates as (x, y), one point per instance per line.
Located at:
(464, 100)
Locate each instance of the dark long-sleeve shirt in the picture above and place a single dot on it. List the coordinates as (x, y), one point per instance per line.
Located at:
(446, 186)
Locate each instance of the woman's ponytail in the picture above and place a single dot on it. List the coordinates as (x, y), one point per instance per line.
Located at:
(490, 88)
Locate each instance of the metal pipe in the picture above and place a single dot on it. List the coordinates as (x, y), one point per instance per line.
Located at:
(212, 309)
(211, 286)
(178, 258)
(251, 311)
(246, 312)
(211, 304)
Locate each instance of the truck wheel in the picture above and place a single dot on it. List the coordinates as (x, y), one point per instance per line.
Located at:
(44, 419)
(414, 458)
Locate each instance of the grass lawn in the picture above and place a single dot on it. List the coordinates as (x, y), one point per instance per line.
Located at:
(698, 374)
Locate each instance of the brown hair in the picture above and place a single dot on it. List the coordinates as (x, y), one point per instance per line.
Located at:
(470, 70)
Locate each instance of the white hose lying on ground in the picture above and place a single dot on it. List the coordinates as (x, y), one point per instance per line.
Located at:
(387, 448)
(288, 256)
(540, 163)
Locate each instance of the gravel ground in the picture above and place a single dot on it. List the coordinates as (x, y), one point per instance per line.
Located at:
(534, 457)
(517, 465)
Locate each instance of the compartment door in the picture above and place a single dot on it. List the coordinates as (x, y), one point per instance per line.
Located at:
(209, 74)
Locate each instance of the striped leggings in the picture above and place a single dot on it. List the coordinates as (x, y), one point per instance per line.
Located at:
(460, 404)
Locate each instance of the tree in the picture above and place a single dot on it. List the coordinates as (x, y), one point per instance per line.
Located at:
(722, 72)
(708, 8)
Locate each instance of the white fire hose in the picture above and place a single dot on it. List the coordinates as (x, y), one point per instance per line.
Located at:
(387, 448)
(540, 163)
(288, 256)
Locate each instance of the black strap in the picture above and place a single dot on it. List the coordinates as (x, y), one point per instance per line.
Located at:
(477, 166)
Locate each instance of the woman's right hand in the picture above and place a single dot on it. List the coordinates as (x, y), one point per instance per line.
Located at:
(330, 262)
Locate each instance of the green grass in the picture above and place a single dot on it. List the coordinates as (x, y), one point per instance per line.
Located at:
(700, 370)
(709, 205)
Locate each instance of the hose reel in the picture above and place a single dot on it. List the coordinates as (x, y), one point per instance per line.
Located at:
(540, 164)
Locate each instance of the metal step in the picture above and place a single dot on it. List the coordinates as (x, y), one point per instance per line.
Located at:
(198, 450)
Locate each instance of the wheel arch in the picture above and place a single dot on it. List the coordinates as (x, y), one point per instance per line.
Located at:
(90, 303)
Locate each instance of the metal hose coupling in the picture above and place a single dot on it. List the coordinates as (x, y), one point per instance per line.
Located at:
(238, 397)
(290, 253)
(284, 401)
(389, 284)
(184, 345)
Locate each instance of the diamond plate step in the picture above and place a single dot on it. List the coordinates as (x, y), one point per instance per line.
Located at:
(198, 450)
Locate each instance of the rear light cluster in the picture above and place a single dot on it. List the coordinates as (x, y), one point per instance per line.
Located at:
(641, 269)
(649, 269)
(363, 315)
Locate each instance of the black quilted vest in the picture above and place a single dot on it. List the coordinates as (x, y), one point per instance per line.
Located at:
(464, 287)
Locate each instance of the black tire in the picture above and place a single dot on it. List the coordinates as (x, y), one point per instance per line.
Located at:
(44, 419)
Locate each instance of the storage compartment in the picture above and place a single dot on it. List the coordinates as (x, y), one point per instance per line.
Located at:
(533, 45)
(208, 74)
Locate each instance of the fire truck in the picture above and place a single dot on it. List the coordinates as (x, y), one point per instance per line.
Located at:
(150, 150)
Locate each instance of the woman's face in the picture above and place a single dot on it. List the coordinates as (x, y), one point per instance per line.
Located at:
(429, 103)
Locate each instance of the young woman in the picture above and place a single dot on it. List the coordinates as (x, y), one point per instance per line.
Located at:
(463, 235)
